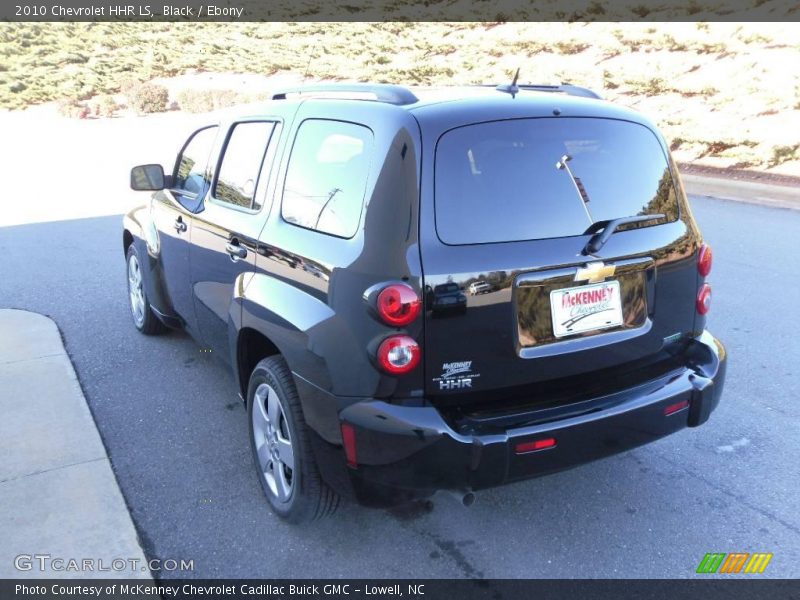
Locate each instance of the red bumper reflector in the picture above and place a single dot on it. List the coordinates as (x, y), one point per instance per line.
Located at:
(673, 408)
(542, 444)
(349, 442)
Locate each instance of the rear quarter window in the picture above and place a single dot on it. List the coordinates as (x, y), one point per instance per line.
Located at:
(528, 179)
(327, 177)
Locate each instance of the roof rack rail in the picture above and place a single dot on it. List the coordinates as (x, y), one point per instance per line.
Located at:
(380, 92)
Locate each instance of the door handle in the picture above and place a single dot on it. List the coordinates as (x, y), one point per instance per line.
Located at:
(236, 251)
(180, 226)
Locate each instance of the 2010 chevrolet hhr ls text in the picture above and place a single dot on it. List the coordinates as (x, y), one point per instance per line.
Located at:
(442, 290)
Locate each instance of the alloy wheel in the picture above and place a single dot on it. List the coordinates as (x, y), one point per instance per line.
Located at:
(135, 290)
(273, 442)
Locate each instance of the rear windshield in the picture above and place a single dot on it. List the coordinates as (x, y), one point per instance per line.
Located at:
(527, 179)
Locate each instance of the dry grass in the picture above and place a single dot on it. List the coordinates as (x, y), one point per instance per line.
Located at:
(727, 94)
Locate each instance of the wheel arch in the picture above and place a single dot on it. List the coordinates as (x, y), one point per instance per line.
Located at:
(252, 346)
(127, 240)
(131, 228)
(135, 235)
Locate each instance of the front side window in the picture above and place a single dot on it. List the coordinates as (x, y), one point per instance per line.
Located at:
(528, 179)
(192, 173)
(241, 163)
(327, 177)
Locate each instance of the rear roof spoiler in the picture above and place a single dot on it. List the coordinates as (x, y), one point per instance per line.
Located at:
(564, 88)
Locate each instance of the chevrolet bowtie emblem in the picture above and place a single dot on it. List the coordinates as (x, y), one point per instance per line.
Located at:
(594, 272)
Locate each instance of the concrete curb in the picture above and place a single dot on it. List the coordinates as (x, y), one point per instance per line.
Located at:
(59, 497)
(765, 194)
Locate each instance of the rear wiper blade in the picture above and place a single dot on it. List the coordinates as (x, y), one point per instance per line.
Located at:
(576, 181)
(603, 230)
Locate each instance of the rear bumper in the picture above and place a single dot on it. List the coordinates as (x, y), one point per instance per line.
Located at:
(409, 452)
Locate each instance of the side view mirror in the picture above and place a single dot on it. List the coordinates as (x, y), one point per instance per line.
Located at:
(148, 178)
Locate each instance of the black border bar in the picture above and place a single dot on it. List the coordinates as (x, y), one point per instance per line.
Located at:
(398, 10)
(716, 588)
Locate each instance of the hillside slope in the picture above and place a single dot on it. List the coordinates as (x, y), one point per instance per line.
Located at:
(726, 94)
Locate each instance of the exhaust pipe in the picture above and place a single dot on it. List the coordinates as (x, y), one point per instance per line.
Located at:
(464, 497)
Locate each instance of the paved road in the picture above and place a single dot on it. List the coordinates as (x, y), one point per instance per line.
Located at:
(176, 435)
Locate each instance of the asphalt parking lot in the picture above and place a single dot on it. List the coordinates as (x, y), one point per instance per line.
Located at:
(176, 435)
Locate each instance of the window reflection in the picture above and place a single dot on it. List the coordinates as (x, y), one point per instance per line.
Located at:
(510, 181)
(241, 163)
(192, 174)
(327, 177)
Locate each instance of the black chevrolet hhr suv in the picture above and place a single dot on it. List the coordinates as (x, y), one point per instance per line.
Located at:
(323, 245)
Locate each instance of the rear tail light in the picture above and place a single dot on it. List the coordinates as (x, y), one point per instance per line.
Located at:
(704, 260)
(399, 354)
(349, 443)
(704, 299)
(542, 444)
(398, 305)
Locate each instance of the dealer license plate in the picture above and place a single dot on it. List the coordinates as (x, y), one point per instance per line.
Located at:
(586, 308)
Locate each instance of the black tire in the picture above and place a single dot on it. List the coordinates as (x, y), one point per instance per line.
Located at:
(144, 319)
(309, 498)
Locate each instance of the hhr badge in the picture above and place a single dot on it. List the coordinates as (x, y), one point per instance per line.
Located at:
(456, 376)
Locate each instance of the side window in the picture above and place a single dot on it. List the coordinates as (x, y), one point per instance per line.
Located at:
(192, 175)
(327, 177)
(241, 163)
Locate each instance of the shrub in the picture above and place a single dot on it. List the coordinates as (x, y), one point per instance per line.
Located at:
(610, 80)
(195, 101)
(104, 106)
(73, 109)
(650, 86)
(148, 98)
(676, 143)
(571, 47)
(673, 45)
(198, 101)
(782, 154)
(129, 84)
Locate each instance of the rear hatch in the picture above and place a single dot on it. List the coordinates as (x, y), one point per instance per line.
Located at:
(521, 205)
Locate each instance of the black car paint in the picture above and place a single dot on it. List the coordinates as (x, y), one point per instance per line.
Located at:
(300, 293)
(501, 361)
(406, 451)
